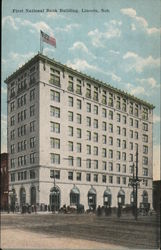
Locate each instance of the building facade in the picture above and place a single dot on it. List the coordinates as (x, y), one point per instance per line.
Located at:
(4, 184)
(84, 132)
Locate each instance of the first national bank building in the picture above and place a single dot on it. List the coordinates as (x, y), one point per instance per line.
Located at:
(86, 131)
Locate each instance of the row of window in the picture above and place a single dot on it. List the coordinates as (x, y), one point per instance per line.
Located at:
(21, 131)
(23, 175)
(22, 160)
(21, 116)
(55, 159)
(22, 145)
(21, 101)
(55, 96)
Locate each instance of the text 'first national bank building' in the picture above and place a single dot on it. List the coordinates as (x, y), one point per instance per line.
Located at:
(85, 130)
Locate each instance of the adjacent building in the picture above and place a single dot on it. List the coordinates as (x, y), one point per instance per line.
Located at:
(4, 184)
(79, 130)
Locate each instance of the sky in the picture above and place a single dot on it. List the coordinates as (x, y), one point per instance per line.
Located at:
(117, 42)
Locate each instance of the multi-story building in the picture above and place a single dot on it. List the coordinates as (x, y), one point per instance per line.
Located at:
(4, 184)
(85, 130)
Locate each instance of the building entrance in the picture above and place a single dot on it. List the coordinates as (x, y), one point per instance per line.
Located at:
(54, 199)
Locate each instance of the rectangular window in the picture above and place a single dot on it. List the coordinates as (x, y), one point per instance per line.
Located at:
(79, 119)
(88, 149)
(95, 150)
(79, 133)
(95, 137)
(110, 102)
(95, 177)
(70, 116)
(111, 179)
(124, 168)
(88, 107)
(145, 160)
(55, 127)
(104, 165)
(95, 123)
(124, 180)
(32, 158)
(57, 174)
(54, 77)
(70, 146)
(79, 147)
(124, 131)
(118, 117)
(118, 143)
(145, 138)
(32, 110)
(88, 177)
(88, 121)
(70, 161)
(104, 113)
(55, 111)
(104, 139)
(110, 154)
(124, 119)
(55, 158)
(95, 109)
(70, 86)
(123, 156)
(131, 122)
(136, 124)
(104, 153)
(54, 96)
(32, 94)
(32, 126)
(95, 164)
(145, 149)
(78, 176)
(13, 177)
(123, 144)
(88, 163)
(118, 155)
(88, 135)
(104, 126)
(118, 130)
(12, 120)
(32, 142)
(131, 157)
(131, 145)
(145, 126)
(55, 143)
(12, 162)
(12, 106)
(118, 167)
(70, 175)
(70, 131)
(118, 180)
(110, 166)
(131, 133)
(145, 171)
(110, 115)
(79, 162)
(111, 128)
(70, 101)
(79, 104)
(110, 141)
(78, 89)
(136, 135)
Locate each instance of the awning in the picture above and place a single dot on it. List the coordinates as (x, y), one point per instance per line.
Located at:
(75, 190)
(91, 191)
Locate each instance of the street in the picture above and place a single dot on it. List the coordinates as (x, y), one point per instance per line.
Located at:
(78, 231)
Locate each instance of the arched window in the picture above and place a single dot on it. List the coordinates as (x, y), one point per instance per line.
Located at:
(107, 197)
(55, 199)
(92, 198)
(121, 197)
(74, 196)
(33, 195)
(145, 196)
(22, 196)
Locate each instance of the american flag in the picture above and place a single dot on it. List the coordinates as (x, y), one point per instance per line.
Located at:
(48, 39)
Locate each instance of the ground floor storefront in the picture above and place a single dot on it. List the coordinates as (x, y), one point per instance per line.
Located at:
(47, 196)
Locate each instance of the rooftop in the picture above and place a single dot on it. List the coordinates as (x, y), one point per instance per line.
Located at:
(40, 56)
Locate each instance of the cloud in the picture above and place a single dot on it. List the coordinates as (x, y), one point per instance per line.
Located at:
(133, 27)
(9, 20)
(135, 90)
(20, 58)
(115, 77)
(138, 63)
(150, 81)
(112, 30)
(156, 162)
(4, 90)
(156, 118)
(16, 23)
(68, 27)
(114, 52)
(82, 47)
(81, 65)
(140, 20)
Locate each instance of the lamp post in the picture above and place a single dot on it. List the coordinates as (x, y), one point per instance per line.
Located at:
(52, 175)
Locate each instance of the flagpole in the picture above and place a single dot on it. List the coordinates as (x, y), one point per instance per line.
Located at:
(41, 43)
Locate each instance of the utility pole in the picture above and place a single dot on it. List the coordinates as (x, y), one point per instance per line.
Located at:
(134, 182)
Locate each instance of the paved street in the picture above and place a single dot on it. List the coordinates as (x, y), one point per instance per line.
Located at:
(55, 231)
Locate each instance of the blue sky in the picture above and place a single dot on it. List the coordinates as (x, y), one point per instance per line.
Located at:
(120, 46)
